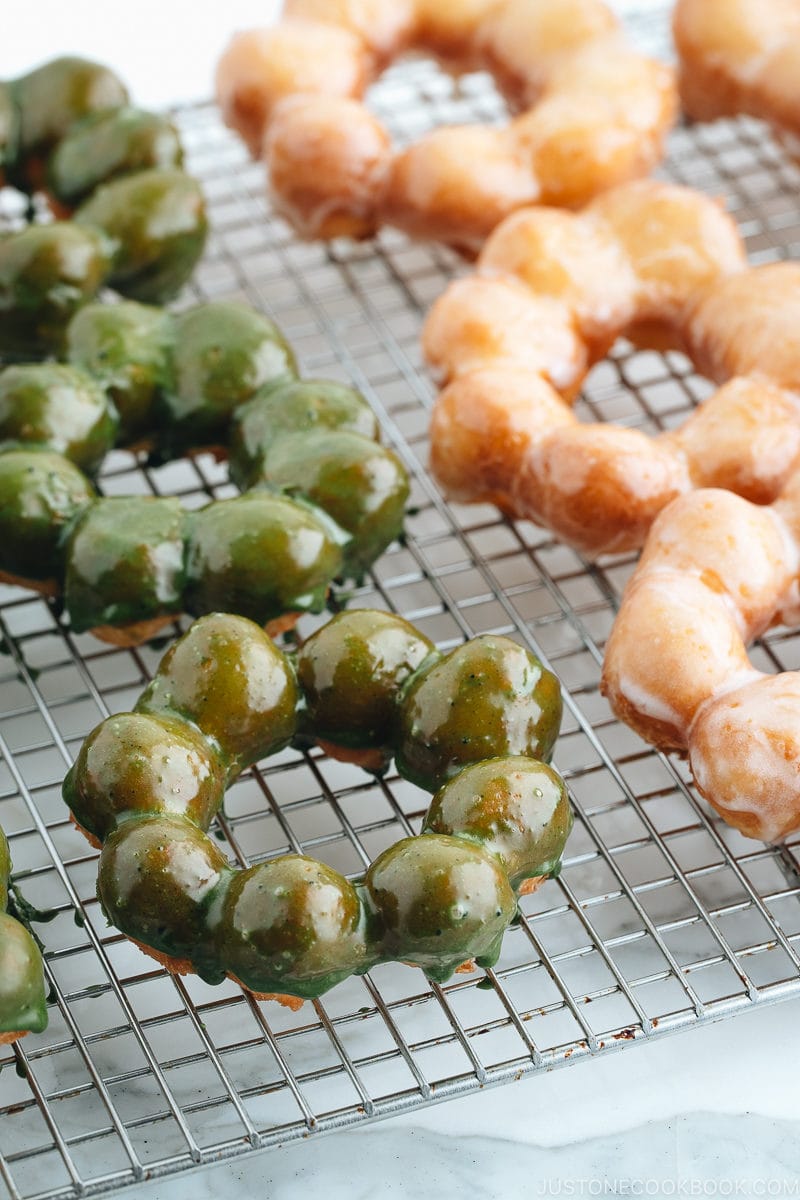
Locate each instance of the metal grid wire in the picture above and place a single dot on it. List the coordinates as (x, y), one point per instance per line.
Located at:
(663, 916)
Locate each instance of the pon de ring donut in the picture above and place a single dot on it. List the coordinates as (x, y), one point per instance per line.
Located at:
(474, 726)
(513, 342)
(592, 112)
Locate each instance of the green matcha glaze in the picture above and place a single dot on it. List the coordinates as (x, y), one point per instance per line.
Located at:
(228, 678)
(224, 352)
(261, 555)
(125, 562)
(351, 672)
(327, 498)
(60, 407)
(292, 925)
(301, 406)
(360, 483)
(515, 807)
(443, 901)
(486, 698)
(156, 877)
(23, 1005)
(40, 495)
(107, 144)
(126, 348)
(46, 273)
(137, 763)
(50, 99)
(133, 560)
(66, 128)
(155, 222)
(317, 439)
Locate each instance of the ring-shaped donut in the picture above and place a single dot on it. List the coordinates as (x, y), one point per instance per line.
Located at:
(592, 112)
(552, 291)
(473, 725)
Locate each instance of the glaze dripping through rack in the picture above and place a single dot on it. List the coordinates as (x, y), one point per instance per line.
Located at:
(663, 917)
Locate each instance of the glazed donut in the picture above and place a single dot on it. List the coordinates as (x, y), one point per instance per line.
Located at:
(741, 56)
(322, 499)
(513, 341)
(23, 1001)
(472, 726)
(716, 572)
(592, 113)
(138, 221)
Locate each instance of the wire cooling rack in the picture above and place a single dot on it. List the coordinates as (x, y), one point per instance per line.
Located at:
(663, 917)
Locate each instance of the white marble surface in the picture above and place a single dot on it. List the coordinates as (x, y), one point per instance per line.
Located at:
(713, 1111)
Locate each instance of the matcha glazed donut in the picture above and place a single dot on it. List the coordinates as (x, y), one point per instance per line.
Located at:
(130, 217)
(475, 726)
(323, 497)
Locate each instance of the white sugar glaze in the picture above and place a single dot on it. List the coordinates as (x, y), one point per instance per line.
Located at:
(716, 565)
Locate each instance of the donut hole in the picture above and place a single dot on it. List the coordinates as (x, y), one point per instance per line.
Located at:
(419, 93)
(650, 390)
(635, 388)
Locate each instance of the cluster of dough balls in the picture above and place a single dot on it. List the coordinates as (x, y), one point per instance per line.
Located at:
(592, 112)
(552, 291)
(129, 217)
(321, 498)
(474, 726)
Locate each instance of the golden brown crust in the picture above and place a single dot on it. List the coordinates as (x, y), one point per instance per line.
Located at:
(385, 26)
(295, 1003)
(262, 67)
(7, 1039)
(282, 624)
(45, 587)
(746, 325)
(91, 839)
(368, 760)
(532, 885)
(716, 571)
(313, 136)
(134, 633)
(182, 967)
